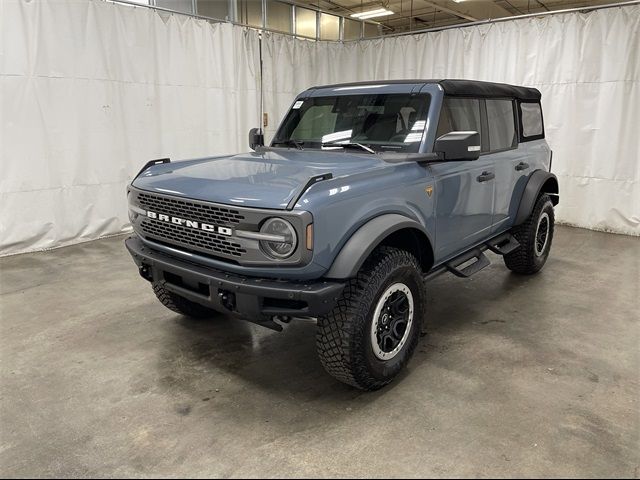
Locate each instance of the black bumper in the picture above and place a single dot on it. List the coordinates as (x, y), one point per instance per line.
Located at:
(253, 298)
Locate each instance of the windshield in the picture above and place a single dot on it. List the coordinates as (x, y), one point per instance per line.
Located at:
(382, 122)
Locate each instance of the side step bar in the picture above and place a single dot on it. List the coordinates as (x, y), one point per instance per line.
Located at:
(502, 245)
(481, 261)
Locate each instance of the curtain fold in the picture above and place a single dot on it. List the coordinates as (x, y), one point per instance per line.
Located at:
(586, 65)
(90, 91)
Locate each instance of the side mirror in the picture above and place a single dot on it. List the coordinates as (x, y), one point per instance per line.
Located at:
(458, 146)
(256, 138)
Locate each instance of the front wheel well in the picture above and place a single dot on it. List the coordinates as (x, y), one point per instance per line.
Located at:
(413, 241)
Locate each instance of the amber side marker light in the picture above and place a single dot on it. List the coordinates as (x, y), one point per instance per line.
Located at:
(310, 236)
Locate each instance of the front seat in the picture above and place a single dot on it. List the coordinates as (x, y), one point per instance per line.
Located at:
(380, 126)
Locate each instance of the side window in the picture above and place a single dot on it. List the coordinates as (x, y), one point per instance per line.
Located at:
(501, 123)
(459, 114)
(531, 121)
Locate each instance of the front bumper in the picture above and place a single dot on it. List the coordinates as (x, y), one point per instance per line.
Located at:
(256, 299)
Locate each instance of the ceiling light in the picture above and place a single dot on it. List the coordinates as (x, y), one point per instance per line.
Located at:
(380, 12)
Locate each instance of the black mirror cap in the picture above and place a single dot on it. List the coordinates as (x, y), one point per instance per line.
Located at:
(458, 146)
(256, 138)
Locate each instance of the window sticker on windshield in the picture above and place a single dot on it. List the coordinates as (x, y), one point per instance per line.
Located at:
(298, 104)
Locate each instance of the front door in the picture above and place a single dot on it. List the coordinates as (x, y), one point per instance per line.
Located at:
(464, 204)
(465, 191)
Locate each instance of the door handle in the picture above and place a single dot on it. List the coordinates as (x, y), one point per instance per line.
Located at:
(486, 176)
(522, 166)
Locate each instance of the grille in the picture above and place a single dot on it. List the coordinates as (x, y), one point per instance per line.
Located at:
(189, 210)
(211, 242)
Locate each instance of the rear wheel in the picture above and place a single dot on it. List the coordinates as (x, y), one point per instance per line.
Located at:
(180, 304)
(368, 338)
(535, 236)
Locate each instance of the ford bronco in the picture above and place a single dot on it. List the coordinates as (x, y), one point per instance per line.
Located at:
(366, 191)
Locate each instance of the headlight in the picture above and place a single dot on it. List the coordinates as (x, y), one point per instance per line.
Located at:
(286, 234)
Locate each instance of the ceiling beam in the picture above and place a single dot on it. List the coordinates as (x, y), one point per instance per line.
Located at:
(336, 5)
(478, 9)
(472, 11)
(437, 5)
(451, 11)
(422, 12)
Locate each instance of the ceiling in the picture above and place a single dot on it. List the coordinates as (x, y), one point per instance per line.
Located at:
(422, 14)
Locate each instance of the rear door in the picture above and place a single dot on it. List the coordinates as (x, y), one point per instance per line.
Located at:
(509, 162)
(464, 190)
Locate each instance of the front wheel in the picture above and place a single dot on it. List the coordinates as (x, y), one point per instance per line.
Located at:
(535, 236)
(370, 335)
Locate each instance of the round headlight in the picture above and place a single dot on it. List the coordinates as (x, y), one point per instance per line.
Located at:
(282, 228)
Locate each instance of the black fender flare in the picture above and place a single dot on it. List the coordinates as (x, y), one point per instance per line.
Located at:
(535, 184)
(360, 245)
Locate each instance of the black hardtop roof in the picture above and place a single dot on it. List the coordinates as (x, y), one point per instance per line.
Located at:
(459, 88)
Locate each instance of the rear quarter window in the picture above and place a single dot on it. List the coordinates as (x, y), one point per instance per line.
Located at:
(531, 123)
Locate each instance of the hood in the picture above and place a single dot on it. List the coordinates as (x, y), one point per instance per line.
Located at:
(268, 179)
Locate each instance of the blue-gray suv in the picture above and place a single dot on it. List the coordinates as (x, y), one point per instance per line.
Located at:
(366, 191)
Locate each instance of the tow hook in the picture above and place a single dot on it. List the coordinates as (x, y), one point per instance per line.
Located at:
(145, 272)
(227, 299)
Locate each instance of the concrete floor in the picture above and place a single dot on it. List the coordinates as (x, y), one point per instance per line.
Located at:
(517, 376)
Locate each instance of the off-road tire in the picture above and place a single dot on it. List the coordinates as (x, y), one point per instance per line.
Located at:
(343, 337)
(525, 260)
(180, 304)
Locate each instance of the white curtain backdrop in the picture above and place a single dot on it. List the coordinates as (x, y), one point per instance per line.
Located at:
(587, 66)
(90, 90)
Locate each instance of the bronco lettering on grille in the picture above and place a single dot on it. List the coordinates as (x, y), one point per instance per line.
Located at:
(207, 227)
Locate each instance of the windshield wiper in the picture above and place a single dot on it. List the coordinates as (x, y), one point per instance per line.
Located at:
(349, 145)
(291, 143)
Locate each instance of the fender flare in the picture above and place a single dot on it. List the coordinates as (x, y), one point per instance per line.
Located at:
(536, 182)
(360, 245)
